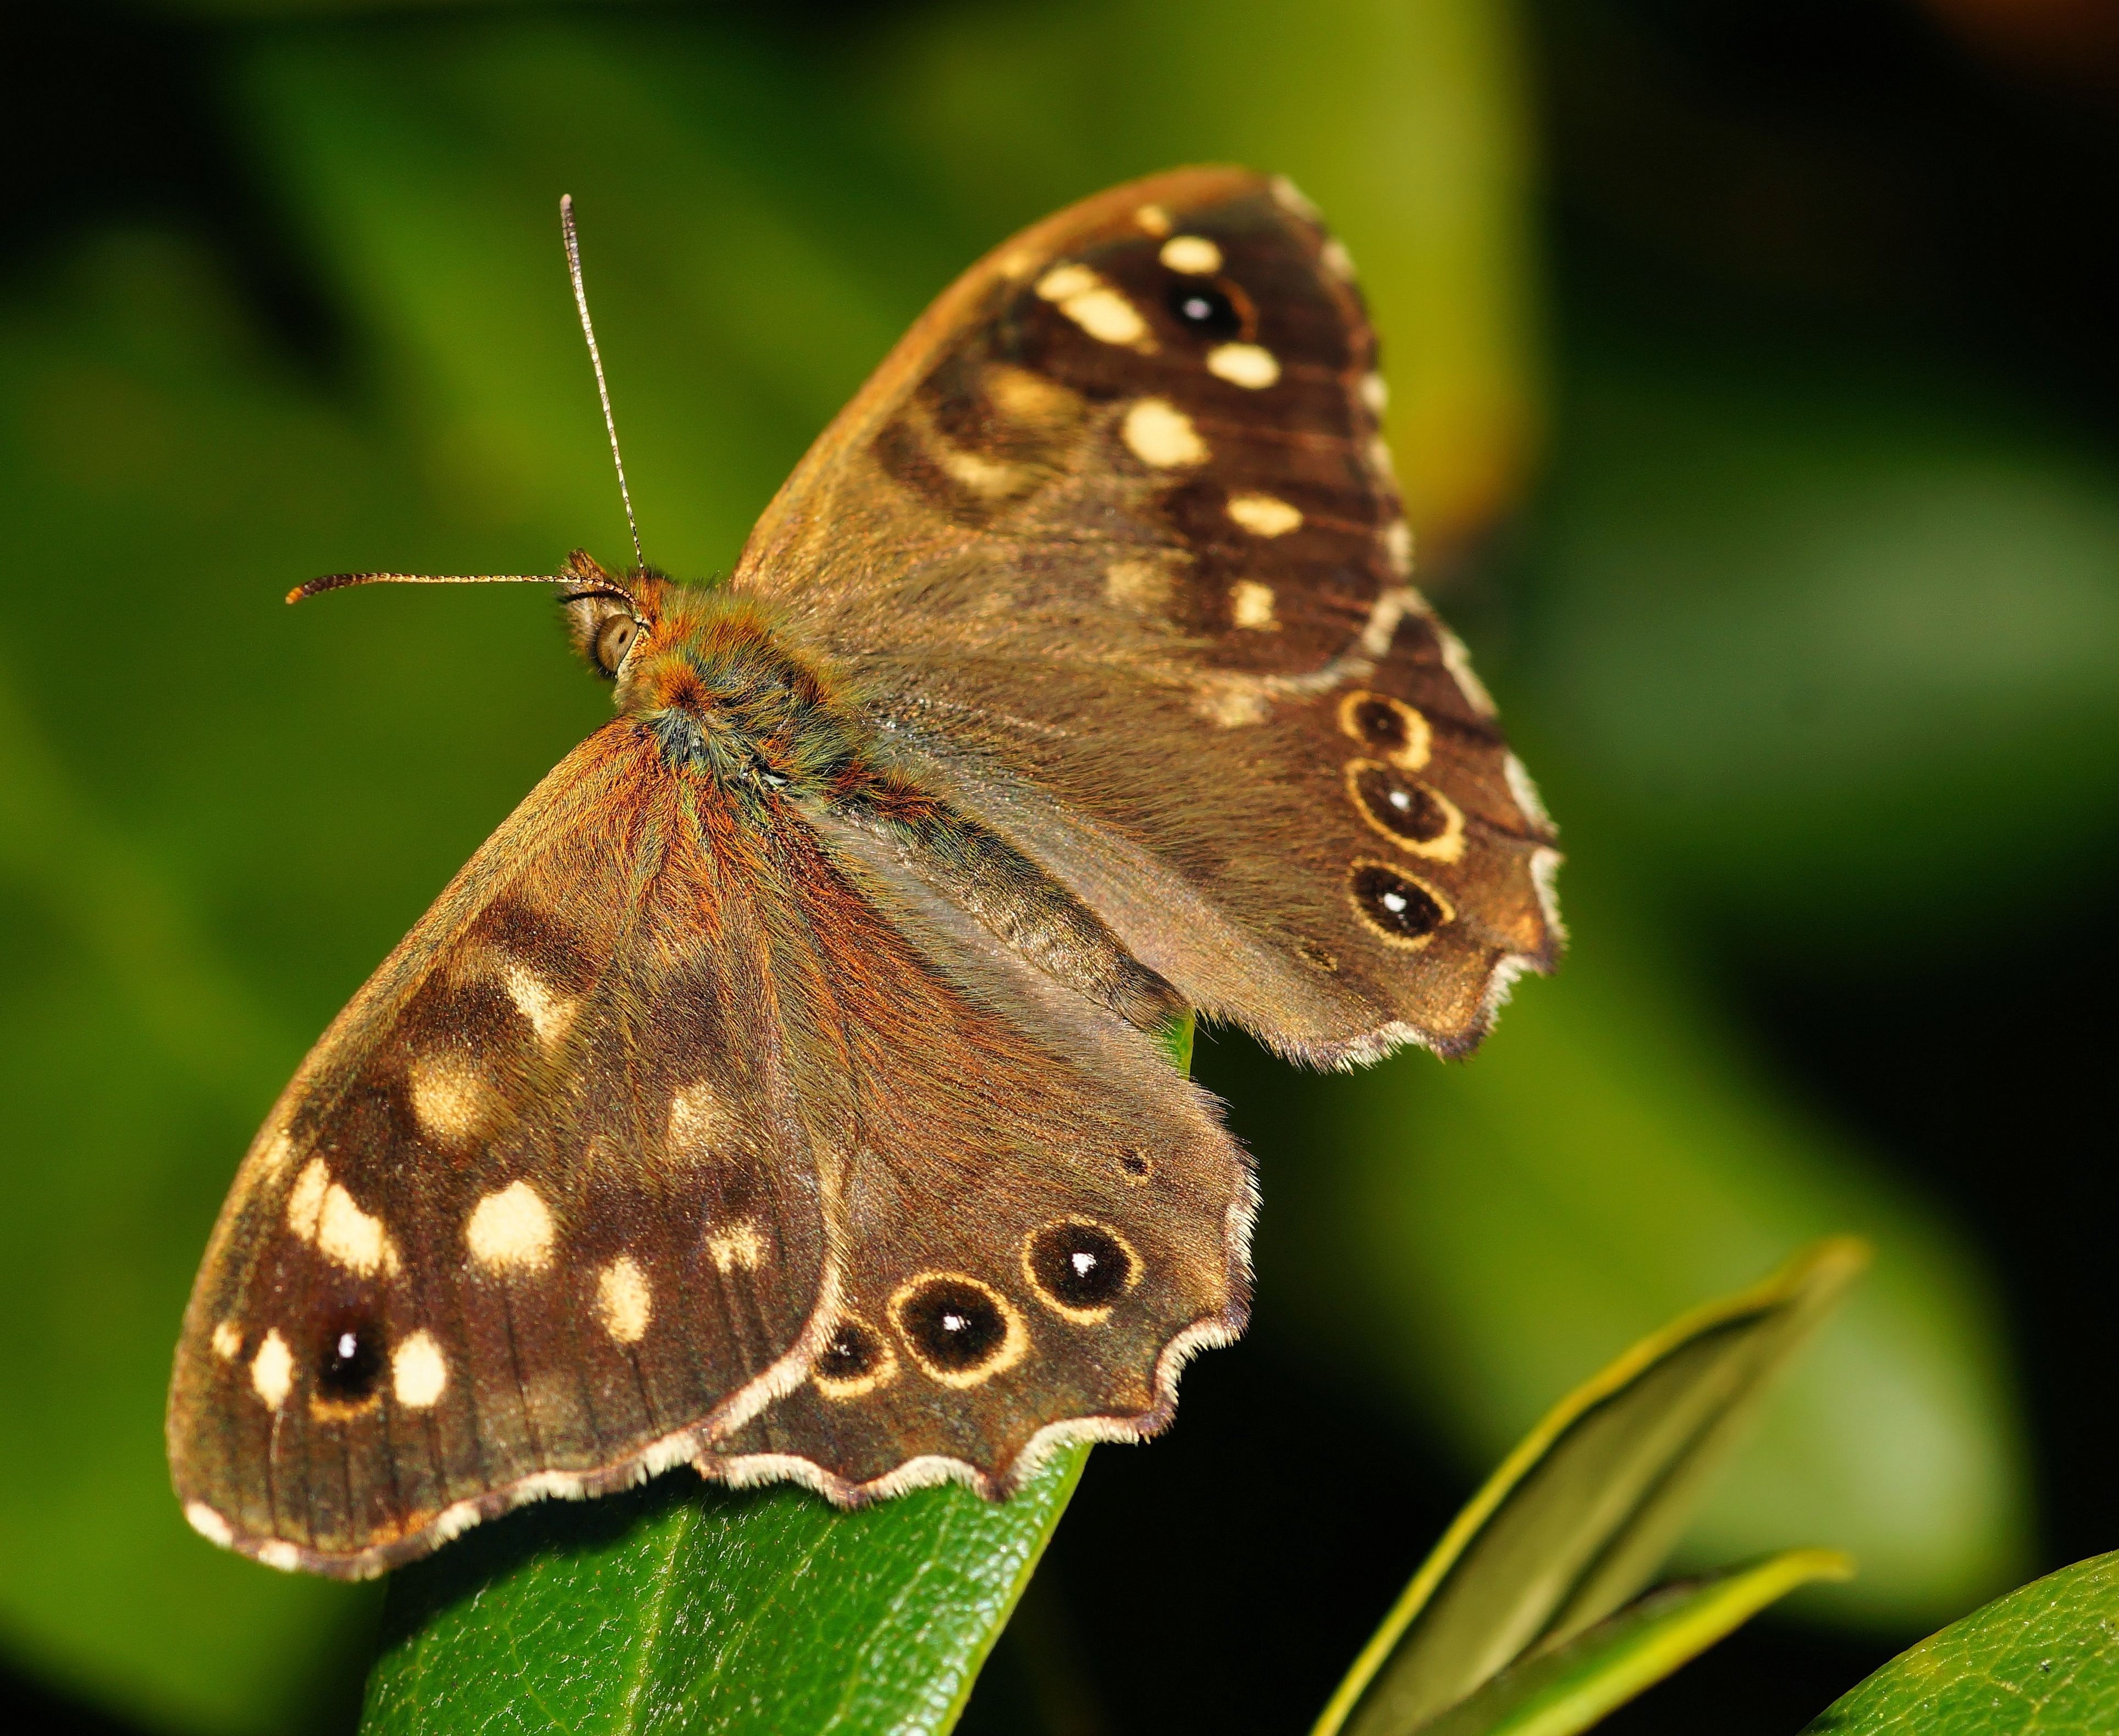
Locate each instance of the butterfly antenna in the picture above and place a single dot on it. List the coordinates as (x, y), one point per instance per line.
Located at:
(591, 584)
(595, 360)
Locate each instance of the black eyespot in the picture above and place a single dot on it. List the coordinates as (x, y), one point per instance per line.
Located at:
(351, 1361)
(1204, 308)
(853, 1354)
(1079, 1266)
(953, 1324)
(1401, 908)
(1380, 723)
(612, 640)
(1401, 806)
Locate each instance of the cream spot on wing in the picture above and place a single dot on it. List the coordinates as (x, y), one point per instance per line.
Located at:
(991, 477)
(1158, 433)
(510, 1230)
(348, 1235)
(1023, 395)
(1374, 393)
(1193, 255)
(1264, 515)
(1335, 258)
(1290, 197)
(739, 1248)
(272, 1370)
(1398, 546)
(305, 1200)
(1458, 661)
(1064, 281)
(228, 1340)
(1153, 219)
(450, 1096)
(276, 1153)
(284, 1557)
(1095, 306)
(419, 1372)
(1141, 586)
(625, 1303)
(1251, 605)
(209, 1524)
(1019, 264)
(1380, 461)
(1244, 364)
(695, 1118)
(548, 1014)
(1232, 703)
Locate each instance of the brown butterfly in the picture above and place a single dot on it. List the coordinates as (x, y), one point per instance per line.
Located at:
(779, 1089)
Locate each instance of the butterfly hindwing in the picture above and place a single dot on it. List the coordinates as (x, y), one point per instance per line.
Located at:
(1122, 496)
(1043, 1219)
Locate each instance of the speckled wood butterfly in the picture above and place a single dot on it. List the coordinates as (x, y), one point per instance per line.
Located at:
(779, 1089)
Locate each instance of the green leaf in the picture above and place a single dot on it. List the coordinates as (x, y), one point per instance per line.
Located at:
(1571, 1686)
(2044, 1658)
(1579, 1517)
(685, 1607)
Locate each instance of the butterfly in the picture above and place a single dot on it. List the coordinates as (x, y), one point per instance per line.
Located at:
(782, 1089)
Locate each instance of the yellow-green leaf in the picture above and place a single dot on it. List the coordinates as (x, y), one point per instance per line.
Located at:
(1571, 1686)
(1579, 1517)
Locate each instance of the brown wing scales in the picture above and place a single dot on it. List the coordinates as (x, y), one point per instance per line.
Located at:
(540, 1210)
(656, 1108)
(1122, 494)
(1039, 1230)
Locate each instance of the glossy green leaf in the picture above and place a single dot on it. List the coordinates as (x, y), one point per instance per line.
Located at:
(683, 1608)
(2043, 1659)
(1581, 1515)
(1573, 1685)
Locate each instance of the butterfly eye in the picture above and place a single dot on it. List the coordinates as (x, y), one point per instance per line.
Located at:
(1204, 308)
(614, 639)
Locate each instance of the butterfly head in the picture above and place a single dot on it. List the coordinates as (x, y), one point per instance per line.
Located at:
(609, 617)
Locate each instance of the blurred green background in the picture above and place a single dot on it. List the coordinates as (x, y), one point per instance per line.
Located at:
(1756, 394)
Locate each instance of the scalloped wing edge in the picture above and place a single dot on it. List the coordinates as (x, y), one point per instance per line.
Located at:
(693, 1443)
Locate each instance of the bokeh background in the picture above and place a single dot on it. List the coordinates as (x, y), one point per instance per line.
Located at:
(1756, 391)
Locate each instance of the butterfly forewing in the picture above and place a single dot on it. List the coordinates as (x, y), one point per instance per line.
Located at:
(1121, 497)
(542, 1206)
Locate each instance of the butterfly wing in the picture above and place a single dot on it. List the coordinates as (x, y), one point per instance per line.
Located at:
(540, 1207)
(1043, 1219)
(657, 1109)
(1112, 544)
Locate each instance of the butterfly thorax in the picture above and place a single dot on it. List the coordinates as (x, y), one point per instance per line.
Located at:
(726, 697)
